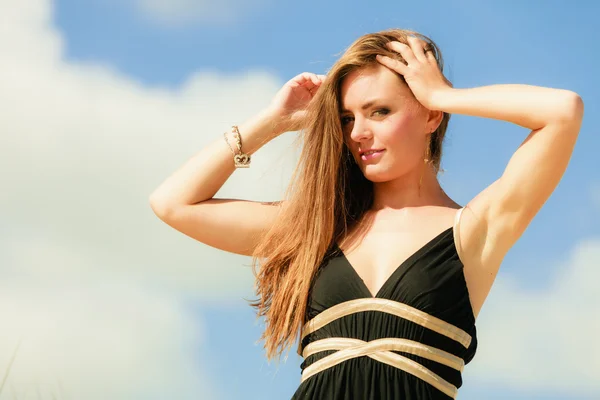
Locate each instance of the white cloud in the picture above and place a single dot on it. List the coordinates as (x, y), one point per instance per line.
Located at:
(545, 340)
(184, 12)
(96, 338)
(82, 148)
(89, 277)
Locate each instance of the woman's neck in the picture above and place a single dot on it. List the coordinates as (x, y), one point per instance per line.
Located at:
(405, 192)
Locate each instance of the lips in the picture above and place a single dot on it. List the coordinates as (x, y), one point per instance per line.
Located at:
(371, 156)
(367, 152)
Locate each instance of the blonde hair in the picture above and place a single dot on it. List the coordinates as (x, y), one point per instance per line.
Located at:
(327, 195)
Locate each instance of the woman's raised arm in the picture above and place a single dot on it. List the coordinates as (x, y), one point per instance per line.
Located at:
(185, 200)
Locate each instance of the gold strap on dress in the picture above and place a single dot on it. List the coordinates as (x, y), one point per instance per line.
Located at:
(351, 345)
(380, 350)
(456, 231)
(389, 306)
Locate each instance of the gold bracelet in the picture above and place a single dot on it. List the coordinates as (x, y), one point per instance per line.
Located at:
(241, 160)
(227, 141)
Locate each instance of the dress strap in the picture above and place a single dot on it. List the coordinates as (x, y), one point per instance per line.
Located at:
(391, 307)
(382, 350)
(384, 345)
(456, 229)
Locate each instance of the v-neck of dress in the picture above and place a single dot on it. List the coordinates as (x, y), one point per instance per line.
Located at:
(413, 257)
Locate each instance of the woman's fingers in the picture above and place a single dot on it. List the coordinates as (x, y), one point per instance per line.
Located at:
(308, 81)
(417, 46)
(308, 77)
(311, 82)
(393, 64)
(404, 50)
(305, 77)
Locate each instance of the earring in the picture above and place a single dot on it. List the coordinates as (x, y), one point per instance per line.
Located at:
(428, 151)
(426, 160)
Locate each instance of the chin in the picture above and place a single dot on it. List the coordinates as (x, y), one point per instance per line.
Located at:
(381, 172)
(378, 176)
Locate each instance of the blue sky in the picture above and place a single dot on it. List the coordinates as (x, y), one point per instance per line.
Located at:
(127, 55)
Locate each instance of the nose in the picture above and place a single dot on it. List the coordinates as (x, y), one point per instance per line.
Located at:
(360, 131)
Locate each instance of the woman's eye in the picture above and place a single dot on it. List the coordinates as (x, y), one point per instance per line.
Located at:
(382, 111)
(345, 120)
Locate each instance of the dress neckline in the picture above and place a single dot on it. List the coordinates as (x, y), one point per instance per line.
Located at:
(403, 265)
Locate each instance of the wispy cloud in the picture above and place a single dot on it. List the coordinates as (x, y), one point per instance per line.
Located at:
(544, 340)
(96, 338)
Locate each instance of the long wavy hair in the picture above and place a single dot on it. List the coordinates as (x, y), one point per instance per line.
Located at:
(328, 194)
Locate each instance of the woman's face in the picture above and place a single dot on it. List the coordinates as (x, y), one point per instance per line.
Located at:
(379, 112)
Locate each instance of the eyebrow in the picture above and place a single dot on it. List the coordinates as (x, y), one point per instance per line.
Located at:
(363, 107)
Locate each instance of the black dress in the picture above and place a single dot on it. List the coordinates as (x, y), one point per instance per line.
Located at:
(408, 342)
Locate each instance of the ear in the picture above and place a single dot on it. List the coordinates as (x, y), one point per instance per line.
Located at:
(434, 119)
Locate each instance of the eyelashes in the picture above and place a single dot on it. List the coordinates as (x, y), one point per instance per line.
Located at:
(383, 111)
(380, 111)
(345, 120)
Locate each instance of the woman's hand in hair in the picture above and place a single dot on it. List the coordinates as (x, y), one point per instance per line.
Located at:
(420, 70)
(290, 103)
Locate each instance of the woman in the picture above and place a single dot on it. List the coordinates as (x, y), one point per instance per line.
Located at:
(368, 262)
